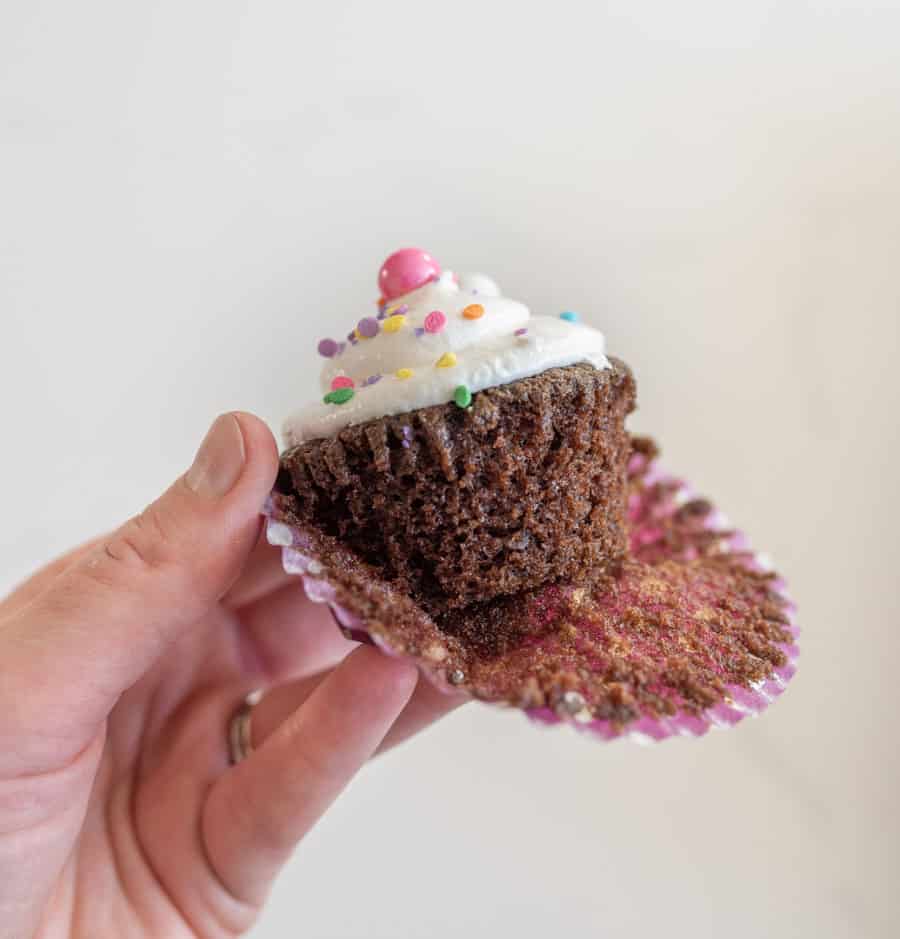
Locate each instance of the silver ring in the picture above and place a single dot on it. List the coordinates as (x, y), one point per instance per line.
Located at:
(240, 738)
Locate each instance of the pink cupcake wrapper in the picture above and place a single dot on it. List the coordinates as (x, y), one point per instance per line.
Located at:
(738, 704)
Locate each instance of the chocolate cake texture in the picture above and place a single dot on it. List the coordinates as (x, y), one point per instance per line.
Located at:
(455, 506)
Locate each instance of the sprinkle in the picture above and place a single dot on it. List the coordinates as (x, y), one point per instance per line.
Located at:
(447, 360)
(462, 396)
(435, 321)
(419, 331)
(371, 380)
(367, 327)
(328, 348)
(406, 430)
(351, 338)
(520, 332)
(404, 373)
(404, 444)
(569, 316)
(339, 396)
(393, 323)
(473, 311)
(342, 381)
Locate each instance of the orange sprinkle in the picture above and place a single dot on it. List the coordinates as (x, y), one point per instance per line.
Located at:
(473, 311)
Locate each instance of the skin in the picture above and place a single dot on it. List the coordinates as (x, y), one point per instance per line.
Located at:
(121, 666)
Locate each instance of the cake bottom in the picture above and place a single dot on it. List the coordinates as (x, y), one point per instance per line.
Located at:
(693, 631)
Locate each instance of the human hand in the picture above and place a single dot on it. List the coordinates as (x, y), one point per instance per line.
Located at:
(121, 666)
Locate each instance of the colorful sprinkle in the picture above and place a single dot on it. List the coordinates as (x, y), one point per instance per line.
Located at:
(447, 360)
(520, 332)
(393, 323)
(328, 348)
(339, 396)
(407, 435)
(352, 338)
(435, 321)
(462, 396)
(371, 380)
(420, 332)
(367, 327)
(342, 381)
(473, 311)
(404, 373)
(569, 316)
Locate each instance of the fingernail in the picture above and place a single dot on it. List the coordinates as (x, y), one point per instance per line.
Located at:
(220, 459)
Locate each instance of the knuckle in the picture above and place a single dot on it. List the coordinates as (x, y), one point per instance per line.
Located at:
(144, 542)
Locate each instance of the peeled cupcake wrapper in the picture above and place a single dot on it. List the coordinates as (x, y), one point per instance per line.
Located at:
(695, 585)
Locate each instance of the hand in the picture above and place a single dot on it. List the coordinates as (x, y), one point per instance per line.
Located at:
(121, 666)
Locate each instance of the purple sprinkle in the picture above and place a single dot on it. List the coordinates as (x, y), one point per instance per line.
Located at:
(407, 431)
(328, 348)
(521, 332)
(401, 309)
(371, 380)
(405, 444)
(368, 327)
(381, 314)
(420, 331)
(351, 338)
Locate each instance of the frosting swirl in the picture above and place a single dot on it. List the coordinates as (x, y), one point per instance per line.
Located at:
(441, 342)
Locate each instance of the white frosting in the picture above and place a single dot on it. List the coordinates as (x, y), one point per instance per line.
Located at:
(488, 352)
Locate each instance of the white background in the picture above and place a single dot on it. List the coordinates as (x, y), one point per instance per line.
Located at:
(191, 193)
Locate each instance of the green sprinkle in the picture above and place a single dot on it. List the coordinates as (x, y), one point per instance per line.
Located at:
(462, 396)
(338, 396)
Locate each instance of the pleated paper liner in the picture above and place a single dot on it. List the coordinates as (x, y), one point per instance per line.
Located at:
(695, 631)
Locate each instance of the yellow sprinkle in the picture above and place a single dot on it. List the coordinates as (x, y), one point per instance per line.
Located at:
(404, 373)
(393, 323)
(447, 360)
(473, 311)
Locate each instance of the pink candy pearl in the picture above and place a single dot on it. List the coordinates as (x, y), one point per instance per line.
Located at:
(342, 381)
(406, 270)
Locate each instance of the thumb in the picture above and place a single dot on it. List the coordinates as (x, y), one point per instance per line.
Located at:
(103, 622)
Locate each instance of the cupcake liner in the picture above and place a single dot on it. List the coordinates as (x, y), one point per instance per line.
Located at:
(695, 631)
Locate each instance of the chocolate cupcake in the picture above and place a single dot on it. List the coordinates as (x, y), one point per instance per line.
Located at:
(466, 494)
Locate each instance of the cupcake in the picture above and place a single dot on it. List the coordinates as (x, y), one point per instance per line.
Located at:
(463, 448)
(465, 492)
